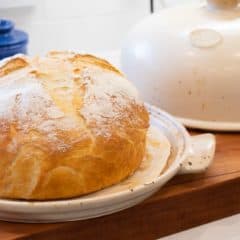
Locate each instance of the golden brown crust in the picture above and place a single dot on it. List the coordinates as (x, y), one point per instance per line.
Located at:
(13, 65)
(70, 124)
(85, 58)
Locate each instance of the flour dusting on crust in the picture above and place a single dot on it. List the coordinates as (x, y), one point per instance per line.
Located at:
(27, 104)
(106, 100)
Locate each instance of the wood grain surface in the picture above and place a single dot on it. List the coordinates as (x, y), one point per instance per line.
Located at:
(186, 201)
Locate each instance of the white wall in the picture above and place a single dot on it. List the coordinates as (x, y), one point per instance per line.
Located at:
(85, 25)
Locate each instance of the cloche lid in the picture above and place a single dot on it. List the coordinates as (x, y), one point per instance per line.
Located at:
(186, 61)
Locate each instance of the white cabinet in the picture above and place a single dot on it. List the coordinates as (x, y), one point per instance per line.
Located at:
(5, 4)
(82, 25)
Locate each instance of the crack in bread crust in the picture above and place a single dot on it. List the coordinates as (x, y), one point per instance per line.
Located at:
(13, 65)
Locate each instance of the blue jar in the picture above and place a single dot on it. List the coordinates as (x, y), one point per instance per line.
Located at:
(12, 41)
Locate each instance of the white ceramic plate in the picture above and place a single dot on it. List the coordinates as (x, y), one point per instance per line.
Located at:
(198, 150)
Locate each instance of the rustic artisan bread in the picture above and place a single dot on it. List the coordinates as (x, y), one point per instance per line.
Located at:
(70, 124)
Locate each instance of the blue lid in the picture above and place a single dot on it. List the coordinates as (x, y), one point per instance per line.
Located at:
(9, 37)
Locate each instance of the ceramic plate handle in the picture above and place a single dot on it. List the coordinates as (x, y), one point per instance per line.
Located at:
(201, 154)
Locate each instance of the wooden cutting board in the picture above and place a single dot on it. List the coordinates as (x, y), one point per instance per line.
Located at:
(186, 201)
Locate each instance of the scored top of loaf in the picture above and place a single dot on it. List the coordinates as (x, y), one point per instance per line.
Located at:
(65, 91)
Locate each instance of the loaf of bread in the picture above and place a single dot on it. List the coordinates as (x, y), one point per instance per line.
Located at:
(70, 124)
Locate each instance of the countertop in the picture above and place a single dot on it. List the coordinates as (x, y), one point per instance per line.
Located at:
(225, 229)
